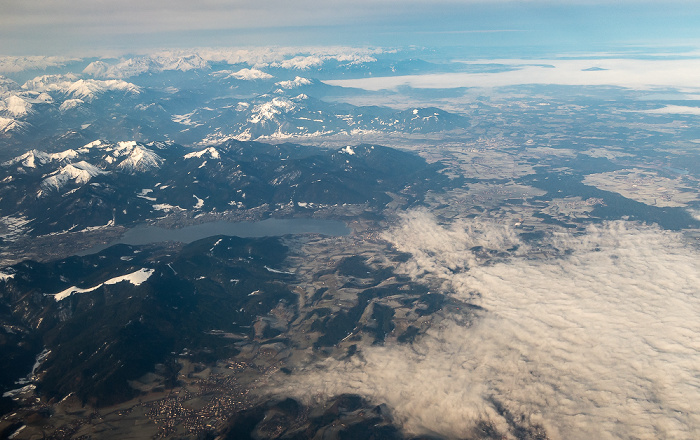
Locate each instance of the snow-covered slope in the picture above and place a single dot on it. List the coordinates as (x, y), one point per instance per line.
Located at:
(136, 278)
(14, 106)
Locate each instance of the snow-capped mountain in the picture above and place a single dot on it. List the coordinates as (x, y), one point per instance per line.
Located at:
(15, 106)
(247, 74)
(146, 64)
(9, 125)
(296, 82)
(205, 97)
(132, 157)
(32, 158)
(129, 157)
(73, 87)
(7, 85)
(78, 173)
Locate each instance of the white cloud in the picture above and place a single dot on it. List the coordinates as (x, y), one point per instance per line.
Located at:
(598, 342)
(630, 73)
(676, 110)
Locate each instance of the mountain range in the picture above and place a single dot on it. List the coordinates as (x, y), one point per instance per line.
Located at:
(123, 183)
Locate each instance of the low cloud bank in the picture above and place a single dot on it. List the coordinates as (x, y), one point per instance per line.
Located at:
(629, 73)
(599, 341)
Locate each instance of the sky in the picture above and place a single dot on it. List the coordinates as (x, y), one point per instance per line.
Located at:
(73, 27)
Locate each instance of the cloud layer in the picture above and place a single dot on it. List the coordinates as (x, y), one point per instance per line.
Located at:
(630, 73)
(597, 342)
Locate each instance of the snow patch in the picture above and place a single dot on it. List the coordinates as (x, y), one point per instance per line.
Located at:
(136, 278)
(211, 152)
(166, 207)
(70, 104)
(199, 204)
(14, 434)
(269, 269)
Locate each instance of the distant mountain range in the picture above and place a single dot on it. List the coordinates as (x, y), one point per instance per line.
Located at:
(204, 98)
(57, 110)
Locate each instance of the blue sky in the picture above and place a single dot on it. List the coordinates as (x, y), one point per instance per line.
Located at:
(29, 27)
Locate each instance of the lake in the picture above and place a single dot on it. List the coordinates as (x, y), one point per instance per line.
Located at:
(145, 234)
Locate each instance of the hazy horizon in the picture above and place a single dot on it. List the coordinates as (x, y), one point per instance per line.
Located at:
(79, 27)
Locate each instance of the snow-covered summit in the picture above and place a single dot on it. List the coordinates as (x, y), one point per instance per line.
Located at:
(296, 82)
(78, 173)
(299, 62)
(88, 89)
(210, 152)
(268, 110)
(300, 58)
(10, 125)
(136, 158)
(34, 97)
(97, 69)
(127, 156)
(32, 158)
(70, 104)
(248, 74)
(14, 106)
(183, 63)
(45, 83)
